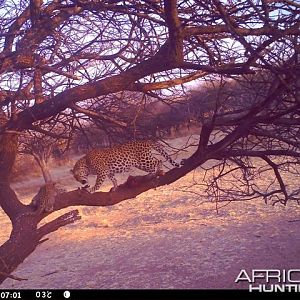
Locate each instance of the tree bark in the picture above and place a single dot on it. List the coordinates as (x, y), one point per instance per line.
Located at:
(8, 152)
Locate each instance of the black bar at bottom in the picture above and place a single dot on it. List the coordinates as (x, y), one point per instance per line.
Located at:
(140, 294)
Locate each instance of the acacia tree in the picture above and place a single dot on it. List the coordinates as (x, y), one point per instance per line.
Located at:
(56, 55)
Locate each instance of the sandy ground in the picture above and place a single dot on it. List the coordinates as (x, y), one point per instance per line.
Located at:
(164, 238)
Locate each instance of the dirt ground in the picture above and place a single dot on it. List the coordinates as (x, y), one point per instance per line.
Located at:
(164, 238)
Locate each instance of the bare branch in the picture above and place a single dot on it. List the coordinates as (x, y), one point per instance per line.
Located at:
(63, 220)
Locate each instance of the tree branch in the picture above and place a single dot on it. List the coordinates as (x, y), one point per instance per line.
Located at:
(255, 153)
(145, 87)
(97, 115)
(265, 30)
(65, 219)
(278, 177)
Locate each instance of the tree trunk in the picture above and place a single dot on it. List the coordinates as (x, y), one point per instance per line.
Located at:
(8, 152)
(24, 236)
(9, 251)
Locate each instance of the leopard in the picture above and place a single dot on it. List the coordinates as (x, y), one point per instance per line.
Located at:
(44, 200)
(106, 162)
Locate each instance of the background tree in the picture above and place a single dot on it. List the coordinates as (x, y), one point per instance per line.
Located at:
(124, 116)
(42, 147)
(67, 57)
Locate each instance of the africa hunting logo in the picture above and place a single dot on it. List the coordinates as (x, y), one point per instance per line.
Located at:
(271, 280)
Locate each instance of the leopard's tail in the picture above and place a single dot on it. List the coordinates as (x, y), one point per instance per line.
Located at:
(159, 148)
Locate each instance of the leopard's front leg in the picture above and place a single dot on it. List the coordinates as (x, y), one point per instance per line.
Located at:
(99, 181)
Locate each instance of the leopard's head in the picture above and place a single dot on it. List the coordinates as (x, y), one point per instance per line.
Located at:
(80, 171)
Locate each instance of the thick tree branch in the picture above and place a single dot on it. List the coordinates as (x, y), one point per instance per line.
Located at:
(65, 219)
(175, 30)
(146, 87)
(158, 63)
(230, 69)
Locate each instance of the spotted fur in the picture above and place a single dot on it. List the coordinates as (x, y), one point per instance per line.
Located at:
(44, 200)
(107, 162)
